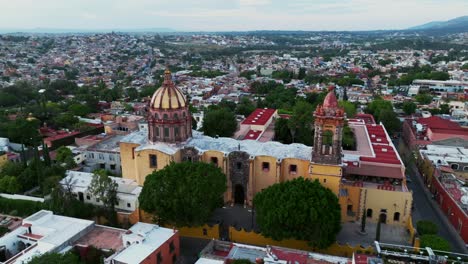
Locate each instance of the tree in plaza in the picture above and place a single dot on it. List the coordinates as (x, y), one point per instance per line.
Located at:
(299, 209)
(219, 122)
(435, 242)
(55, 258)
(409, 108)
(184, 194)
(104, 188)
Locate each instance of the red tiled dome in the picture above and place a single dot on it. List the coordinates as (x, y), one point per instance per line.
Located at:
(330, 100)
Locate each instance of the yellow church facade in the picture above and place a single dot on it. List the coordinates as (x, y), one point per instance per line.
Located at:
(369, 181)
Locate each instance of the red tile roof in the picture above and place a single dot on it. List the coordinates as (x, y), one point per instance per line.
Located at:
(368, 118)
(253, 134)
(438, 122)
(259, 117)
(290, 256)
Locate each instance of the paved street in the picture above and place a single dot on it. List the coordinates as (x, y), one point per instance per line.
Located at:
(426, 208)
(190, 248)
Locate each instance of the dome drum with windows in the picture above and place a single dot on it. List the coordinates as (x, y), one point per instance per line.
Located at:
(169, 118)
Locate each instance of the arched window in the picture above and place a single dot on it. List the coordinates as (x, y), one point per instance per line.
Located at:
(165, 116)
(454, 166)
(176, 116)
(183, 114)
(369, 213)
(327, 138)
(396, 217)
(156, 116)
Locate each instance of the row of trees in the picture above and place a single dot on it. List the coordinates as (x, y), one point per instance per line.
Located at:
(186, 194)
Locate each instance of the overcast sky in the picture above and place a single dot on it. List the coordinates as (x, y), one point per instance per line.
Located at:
(225, 15)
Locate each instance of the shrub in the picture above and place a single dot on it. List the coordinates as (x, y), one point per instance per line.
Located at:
(435, 242)
(425, 227)
(20, 208)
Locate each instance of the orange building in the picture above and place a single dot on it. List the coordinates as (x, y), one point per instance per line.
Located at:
(370, 179)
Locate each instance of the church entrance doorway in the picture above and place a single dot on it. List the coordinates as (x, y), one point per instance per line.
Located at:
(239, 194)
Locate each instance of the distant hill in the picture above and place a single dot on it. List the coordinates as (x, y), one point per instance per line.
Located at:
(456, 24)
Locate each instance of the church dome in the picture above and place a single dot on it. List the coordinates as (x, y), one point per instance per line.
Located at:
(168, 96)
(330, 100)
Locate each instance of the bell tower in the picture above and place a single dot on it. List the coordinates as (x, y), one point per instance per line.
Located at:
(329, 122)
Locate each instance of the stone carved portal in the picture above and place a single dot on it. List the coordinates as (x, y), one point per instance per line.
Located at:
(190, 154)
(239, 168)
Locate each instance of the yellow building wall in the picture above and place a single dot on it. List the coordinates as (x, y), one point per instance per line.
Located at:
(223, 165)
(127, 160)
(263, 179)
(392, 201)
(142, 162)
(353, 198)
(242, 236)
(302, 169)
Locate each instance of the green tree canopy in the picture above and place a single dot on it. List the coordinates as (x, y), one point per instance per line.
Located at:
(79, 109)
(219, 122)
(9, 184)
(63, 153)
(184, 194)
(409, 108)
(426, 227)
(104, 188)
(245, 107)
(375, 107)
(301, 123)
(424, 98)
(389, 120)
(66, 120)
(299, 209)
(55, 258)
(350, 108)
(282, 131)
(435, 242)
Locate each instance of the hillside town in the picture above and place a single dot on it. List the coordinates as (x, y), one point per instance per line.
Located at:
(309, 147)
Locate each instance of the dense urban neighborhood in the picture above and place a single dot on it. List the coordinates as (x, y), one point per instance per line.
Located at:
(234, 147)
